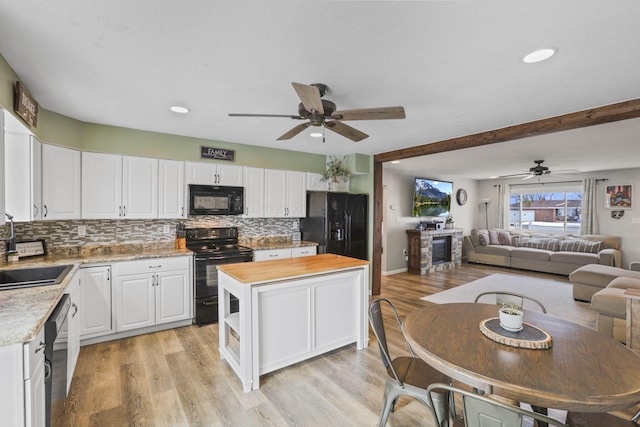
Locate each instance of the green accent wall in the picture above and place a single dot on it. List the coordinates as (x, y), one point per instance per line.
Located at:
(110, 139)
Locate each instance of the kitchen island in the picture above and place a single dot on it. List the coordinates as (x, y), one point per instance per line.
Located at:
(290, 310)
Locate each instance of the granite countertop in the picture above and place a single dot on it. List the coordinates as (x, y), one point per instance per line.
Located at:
(262, 246)
(24, 311)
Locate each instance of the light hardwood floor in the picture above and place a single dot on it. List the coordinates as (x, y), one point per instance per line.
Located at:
(176, 377)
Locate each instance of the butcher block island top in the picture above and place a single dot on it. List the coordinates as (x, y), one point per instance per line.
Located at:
(278, 269)
(290, 310)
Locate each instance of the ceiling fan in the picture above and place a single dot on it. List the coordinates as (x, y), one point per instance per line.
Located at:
(322, 112)
(539, 170)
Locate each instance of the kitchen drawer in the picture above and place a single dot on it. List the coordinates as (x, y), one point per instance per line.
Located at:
(303, 251)
(270, 254)
(152, 265)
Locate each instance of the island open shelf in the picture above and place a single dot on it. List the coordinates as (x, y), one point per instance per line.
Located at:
(290, 310)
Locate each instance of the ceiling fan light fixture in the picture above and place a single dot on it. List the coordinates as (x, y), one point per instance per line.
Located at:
(179, 109)
(316, 134)
(539, 55)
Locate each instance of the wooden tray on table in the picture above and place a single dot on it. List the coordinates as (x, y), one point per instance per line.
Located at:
(529, 337)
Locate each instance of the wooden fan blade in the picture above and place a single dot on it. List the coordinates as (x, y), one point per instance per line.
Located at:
(309, 96)
(293, 132)
(264, 115)
(346, 131)
(370, 114)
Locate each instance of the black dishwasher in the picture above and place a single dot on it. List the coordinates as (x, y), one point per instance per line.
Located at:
(55, 354)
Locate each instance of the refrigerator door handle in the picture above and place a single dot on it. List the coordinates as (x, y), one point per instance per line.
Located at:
(347, 223)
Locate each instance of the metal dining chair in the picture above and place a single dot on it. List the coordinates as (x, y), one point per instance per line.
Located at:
(482, 411)
(586, 419)
(511, 298)
(406, 376)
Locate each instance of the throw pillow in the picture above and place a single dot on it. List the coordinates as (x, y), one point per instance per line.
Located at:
(493, 237)
(475, 236)
(546, 244)
(579, 245)
(504, 238)
(483, 239)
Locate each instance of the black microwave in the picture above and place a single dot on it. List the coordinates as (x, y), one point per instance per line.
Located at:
(215, 200)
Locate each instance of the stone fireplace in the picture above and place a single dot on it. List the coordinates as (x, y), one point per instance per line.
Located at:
(434, 250)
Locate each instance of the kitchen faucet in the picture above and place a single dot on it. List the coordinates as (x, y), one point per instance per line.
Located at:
(12, 239)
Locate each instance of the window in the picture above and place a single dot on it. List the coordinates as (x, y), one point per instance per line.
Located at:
(551, 208)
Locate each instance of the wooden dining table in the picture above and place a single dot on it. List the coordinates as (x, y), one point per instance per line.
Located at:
(583, 370)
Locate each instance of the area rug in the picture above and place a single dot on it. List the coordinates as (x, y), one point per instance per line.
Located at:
(557, 296)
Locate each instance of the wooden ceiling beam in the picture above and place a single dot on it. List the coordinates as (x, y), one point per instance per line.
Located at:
(593, 116)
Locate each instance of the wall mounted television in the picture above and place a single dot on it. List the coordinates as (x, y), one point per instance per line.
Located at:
(431, 198)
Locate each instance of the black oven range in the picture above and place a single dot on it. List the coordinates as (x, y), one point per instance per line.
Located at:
(213, 247)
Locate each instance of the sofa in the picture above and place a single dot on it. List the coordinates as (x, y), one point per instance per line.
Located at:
(541, 252)
(608, 301)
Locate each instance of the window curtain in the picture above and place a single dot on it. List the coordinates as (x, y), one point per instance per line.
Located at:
(502, 208)
(589, 222)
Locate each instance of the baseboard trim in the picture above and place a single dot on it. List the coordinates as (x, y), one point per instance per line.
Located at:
(392, 272)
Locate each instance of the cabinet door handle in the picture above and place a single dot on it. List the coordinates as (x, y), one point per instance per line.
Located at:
(124, 211)
(75, 309)
(35, 210)
(155, 266)
(46, 211)
(182, 211)
(119, 210)
(40, 347)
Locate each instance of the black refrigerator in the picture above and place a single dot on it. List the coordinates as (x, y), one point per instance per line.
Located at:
(337, 222)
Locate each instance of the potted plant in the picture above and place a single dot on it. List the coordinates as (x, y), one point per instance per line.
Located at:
(335, 169)
(449, 222)
(511, 317)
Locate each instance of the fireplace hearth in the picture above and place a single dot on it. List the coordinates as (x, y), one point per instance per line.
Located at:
(434, 250)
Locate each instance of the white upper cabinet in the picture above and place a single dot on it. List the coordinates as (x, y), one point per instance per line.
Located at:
(101, 185)
(296, 194)
(285, 193)
(60, 182)
(139, 187)
(23, 162)
(171, 194)
(315, 183)
(115, 186)
(213, 174)
(253, 192)
(2, 173)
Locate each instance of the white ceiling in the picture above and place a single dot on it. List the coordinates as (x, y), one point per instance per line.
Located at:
(455, 66)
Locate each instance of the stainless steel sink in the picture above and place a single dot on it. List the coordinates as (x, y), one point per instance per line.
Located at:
(29, 277)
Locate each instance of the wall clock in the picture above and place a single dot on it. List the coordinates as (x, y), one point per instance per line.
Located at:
(461, 196)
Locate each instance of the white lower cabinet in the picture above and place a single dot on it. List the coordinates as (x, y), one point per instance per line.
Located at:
(73, 326)
(34, 391)
(152, 292)
(270, 254)
(95, 301)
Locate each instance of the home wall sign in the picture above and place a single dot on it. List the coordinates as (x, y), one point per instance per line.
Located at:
(25, 105)
(217, 154)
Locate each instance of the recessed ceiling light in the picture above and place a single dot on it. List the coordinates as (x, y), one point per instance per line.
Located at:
(316, 134)
(395, 162)
(179, 109)
(539, 55)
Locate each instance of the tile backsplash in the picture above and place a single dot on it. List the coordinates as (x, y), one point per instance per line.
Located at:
(61, 236)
